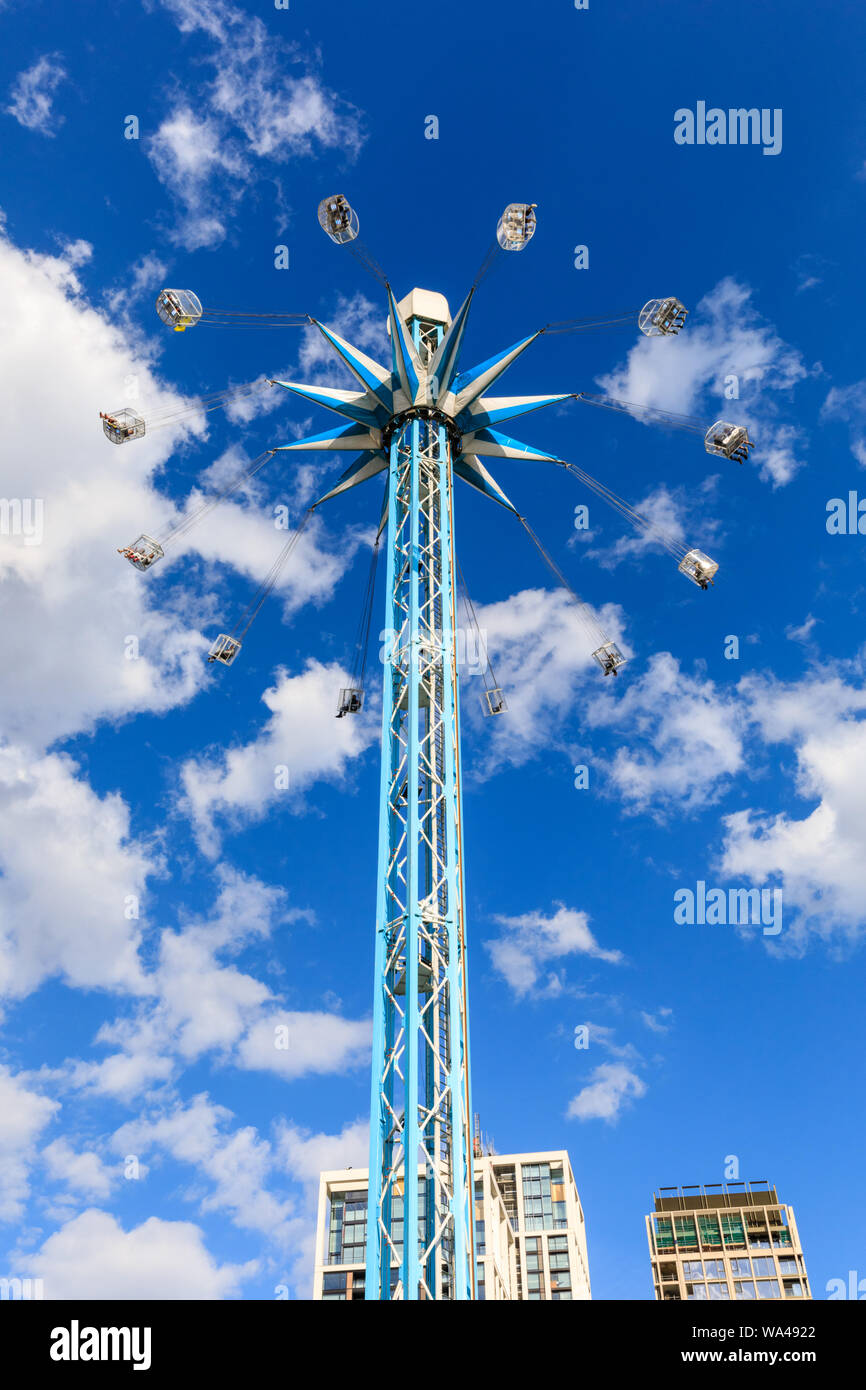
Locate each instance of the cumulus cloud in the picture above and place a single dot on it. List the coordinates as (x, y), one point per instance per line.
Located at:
(302, 736)
(72, 921)
(93, 1257)
(201, 1004)
(820, 856)
(724, 336)
(235, 1162)
(686, 738)
(541, 649)
(610, 1090)
(82, 1172)
(307, 1154)
(682, 742)
(24, 1114)
(32, 95)
(72, 601)
(530, 942)
(317, 1043)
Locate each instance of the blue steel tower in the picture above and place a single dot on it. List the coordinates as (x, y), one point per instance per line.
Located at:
(425, 422)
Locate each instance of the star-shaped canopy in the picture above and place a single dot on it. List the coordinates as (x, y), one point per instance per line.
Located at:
(415, 381)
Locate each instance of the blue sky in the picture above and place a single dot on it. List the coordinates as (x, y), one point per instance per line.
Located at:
(162, 905)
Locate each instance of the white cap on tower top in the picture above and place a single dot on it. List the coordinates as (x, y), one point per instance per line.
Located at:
(426, 305)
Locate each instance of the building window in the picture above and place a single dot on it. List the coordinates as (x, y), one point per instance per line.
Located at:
(334, 1288)
(693, 1269)
(718, 1291)
(686, 1233)
(763, 1265)
(794, 1289)
(347, 1228)
(560, 1273)
(696, 1292)
(663, 1233)
(768, 1288)
(537, 1195)
(744, 1289)
(711, 1236)
(732, 1230)
(788, 1265)
(714, 1269)
(741, 1269)
(759, 1238)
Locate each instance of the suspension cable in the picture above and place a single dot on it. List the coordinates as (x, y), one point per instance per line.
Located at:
(365, 258)
(490, 685)
(491, 256)
(214, 400)
(187, 522)
(630, 513)
(663, 417)
(362, 640)
(241, 318)
(585, 613)
(251, 612)
(590, 325)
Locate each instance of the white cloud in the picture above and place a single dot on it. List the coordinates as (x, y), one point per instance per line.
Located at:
(725, 335)
(821, 855)
(72, 920)
(201, 1005)
(611, 1088)
(686, 735)
(307, 1154)
(71, 600)
(237, 1163)
(32, 95)
(683, 740)
(83, 1172)
(532, 941)
(93, 1257)
(24, 1114)
(318, 1043)
(302, 734)
(541, 651)
(188, 153)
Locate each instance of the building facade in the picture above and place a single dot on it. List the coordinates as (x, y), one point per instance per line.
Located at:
(530, 1231)
(725, 1241)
